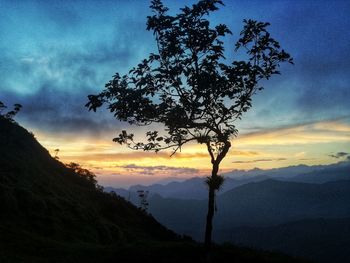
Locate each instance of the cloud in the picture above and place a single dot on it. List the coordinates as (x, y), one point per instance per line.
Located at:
(334, 130)
(53, 86)
(139, 155)
(51, 71)
(55, 111)
(261, 160)
(317, 86)
(97, 43)
(244, 153)
(156, 170)
(339, 155)
(306, 159)
(320, 78)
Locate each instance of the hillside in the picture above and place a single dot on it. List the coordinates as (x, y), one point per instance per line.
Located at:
(41, 198)
(49, 213)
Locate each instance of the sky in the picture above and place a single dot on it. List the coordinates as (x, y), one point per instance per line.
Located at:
(55, 53)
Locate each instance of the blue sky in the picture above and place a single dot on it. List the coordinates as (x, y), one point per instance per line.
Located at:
(54, 53)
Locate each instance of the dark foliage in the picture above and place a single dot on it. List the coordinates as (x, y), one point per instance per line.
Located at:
(143, 202)
(9, 115)
(89, 176)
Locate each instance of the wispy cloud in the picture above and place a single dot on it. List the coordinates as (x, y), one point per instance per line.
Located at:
(244, 153)
(307, 133)
(152, 170)
(261, 160)
(339, 155)
(136, 156)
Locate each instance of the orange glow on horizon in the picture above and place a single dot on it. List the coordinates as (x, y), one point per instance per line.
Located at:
(308, 144)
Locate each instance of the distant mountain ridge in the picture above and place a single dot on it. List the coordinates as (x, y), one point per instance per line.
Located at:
(334, 172)
(283, 172)
(299, 210)
(261, 214)
(263, 203)
(195, 188)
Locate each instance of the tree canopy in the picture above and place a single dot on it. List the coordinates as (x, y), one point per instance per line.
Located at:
(186, 86)
(9, 115)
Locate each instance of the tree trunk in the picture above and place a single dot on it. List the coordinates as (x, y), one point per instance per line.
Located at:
(211, 200)
(210, 215)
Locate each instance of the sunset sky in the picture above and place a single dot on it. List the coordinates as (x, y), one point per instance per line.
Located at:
(55, 53)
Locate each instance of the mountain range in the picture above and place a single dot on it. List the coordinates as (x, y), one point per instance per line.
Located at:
(265, 203)
(295, 210)
(195, 188)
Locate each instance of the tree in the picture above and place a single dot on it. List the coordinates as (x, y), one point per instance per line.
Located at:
(143, 195)
(10, 114)
(56, 151)
(83, 173)
(187, 87)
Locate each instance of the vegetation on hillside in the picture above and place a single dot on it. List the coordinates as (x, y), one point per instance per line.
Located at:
(9, 114)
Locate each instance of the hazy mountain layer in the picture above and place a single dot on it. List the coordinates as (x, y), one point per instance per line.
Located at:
(195, 188)
(256, 204)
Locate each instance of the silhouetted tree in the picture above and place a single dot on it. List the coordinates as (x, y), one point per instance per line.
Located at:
(143, 195)
(188, 89)
(10, 114)
(83, 173)
(56, 151)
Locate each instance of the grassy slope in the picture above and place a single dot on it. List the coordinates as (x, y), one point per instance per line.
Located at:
(44, 202)
(48, 213)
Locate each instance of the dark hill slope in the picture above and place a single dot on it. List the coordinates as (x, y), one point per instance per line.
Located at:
(40, 194)
(40, 199)
(48, 213)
